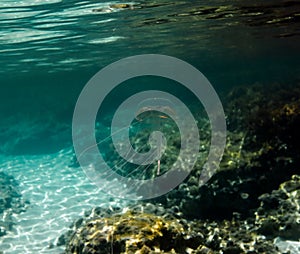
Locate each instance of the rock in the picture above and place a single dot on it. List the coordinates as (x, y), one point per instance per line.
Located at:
(262, 151)
(134, 231)
(279, 212)
(8, 191)
(2, 231)
(10, 202)
(129, 232)
(286, 246)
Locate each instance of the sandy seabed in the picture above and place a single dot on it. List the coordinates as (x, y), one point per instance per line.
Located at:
(58, 194)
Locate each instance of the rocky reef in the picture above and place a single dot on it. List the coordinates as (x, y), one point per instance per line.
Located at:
(128, 232)
(251, 200)
(262, 151)
(279, 212)
(150, 228)
(10, 202)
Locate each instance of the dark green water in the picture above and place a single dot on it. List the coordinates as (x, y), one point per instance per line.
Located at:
(50, 49)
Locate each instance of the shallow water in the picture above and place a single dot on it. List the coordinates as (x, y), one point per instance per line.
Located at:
(57, 194)
(49, 49)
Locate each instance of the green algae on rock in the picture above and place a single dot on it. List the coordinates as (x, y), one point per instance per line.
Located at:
(262, 151)
(256, 161)
(140, 229)
(129, 232)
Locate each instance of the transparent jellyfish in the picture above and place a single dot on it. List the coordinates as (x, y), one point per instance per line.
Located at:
(158, 110)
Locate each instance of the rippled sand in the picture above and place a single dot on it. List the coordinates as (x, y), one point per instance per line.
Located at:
(57, 193)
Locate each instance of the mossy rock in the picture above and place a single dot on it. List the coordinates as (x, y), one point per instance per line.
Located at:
(129, 232)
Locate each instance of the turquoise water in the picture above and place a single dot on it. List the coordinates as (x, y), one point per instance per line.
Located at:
(49, 49)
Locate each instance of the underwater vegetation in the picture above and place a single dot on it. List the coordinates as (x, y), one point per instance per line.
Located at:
(149, 228)
(250, 205)
(262, 151)
(251, 200)
(128, 232)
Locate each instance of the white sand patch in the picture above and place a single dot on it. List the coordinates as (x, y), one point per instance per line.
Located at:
(58, 194)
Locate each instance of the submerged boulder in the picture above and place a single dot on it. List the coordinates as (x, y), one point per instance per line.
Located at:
(10, 202)
(129, 232)
(279, 211)
(8, 192)
(152, 229)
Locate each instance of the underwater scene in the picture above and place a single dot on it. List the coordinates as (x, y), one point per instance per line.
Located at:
(149, 126)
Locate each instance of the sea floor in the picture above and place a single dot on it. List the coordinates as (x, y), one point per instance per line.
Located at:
(58, 194)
